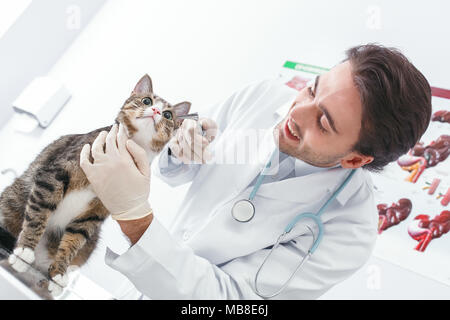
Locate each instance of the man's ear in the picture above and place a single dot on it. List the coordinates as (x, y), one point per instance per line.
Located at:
(144, 86)
(355, 160)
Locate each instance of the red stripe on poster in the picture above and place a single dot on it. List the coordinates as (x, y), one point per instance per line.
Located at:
(441, 93)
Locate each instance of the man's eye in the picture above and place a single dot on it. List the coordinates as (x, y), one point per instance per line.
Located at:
(147, 101)
(319, 124)
(167, 115)
(311, 92)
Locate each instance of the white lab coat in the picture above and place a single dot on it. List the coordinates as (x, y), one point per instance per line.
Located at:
(208, 255)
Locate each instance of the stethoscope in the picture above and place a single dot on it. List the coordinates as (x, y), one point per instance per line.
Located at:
(244, 210)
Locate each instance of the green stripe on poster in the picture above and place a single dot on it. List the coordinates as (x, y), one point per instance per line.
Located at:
(305, 67)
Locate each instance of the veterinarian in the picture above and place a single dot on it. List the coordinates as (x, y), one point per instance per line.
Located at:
(361, 115)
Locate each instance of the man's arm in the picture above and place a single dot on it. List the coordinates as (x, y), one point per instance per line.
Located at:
(134, 229)
(163, 268)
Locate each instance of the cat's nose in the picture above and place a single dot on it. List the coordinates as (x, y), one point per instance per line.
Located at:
(155, 111)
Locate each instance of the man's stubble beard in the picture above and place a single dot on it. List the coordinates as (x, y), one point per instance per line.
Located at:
(307, 155)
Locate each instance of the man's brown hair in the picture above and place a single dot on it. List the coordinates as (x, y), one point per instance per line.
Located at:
(396, 103)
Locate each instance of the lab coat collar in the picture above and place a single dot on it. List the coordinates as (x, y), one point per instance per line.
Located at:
(313, 187)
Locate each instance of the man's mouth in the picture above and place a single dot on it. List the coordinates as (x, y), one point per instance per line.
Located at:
(289, 131)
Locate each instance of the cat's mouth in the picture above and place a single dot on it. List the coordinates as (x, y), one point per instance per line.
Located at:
(148, 118)
(150, 113)
(145, 117)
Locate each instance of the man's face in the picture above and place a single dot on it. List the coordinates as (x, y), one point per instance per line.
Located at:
(326, 120)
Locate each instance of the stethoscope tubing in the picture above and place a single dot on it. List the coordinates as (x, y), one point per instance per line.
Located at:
(316, 218)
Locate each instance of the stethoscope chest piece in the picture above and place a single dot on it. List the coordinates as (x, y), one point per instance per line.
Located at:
(243, 210)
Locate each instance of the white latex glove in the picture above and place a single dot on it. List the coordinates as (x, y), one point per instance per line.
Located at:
(188, 144)
(120, 176)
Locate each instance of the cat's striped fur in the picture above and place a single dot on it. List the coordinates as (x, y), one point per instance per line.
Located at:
(51, 208)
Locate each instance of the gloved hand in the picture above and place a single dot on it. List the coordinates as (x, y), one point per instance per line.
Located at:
(188, 144)
(120, 176)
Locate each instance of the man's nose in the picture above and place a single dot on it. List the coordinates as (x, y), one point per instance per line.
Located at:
(303, 112)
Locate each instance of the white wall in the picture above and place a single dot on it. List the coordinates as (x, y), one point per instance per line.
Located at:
(35, 41)
(202, 50)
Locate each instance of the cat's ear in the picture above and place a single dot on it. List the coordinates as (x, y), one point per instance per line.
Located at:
(182, 108)
(143, 86)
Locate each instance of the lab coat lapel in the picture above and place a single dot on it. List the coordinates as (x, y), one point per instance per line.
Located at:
(220, 239)
(234, 177)
(312, 187)
(243, 174)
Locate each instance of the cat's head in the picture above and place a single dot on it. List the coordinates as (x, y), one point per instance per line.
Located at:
(148, 119)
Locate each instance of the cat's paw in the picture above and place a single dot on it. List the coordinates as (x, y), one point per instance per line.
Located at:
(57, 285)
(21, 258)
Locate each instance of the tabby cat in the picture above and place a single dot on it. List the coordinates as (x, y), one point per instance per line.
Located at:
(52, 210)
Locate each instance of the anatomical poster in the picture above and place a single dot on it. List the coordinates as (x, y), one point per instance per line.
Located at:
(418, 238)
(412, 194)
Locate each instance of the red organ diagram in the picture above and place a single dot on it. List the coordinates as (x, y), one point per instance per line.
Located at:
(394, 214)
(441, 116)
(421, 157)
(424, 230)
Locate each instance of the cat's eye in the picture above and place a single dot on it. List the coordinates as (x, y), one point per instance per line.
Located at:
(147, 101)
(167, 115)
